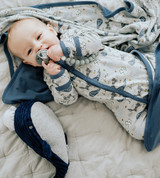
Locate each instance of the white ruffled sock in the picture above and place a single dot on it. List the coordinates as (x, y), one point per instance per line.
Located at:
(8, 118)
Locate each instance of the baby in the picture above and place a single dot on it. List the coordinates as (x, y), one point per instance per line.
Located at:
(106, 65)
(37, 36)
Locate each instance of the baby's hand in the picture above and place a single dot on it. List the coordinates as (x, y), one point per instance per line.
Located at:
(55, 52)
(51, 68)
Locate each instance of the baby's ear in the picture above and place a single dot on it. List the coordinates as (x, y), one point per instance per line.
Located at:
(50, 27)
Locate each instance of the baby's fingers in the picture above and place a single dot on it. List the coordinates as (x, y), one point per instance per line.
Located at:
(51, 68)
(43, 64)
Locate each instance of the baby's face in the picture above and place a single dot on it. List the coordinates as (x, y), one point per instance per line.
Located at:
(28, 37)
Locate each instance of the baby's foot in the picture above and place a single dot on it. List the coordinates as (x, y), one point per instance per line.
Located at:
(8, 118)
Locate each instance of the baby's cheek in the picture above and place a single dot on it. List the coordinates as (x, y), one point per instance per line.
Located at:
(49, 52)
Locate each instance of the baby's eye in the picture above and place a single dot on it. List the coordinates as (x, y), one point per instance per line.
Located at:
(29, 51)
(38, 37)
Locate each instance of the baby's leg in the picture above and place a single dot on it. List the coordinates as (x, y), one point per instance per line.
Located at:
(136, 130)
(131, 115)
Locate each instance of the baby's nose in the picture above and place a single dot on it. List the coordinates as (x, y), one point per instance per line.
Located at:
(39, 47)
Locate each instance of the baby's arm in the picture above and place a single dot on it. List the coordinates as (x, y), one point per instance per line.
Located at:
(58, 78)
(61, 87)
(80, 43)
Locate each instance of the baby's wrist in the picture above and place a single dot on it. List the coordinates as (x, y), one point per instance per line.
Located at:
(58, 74)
